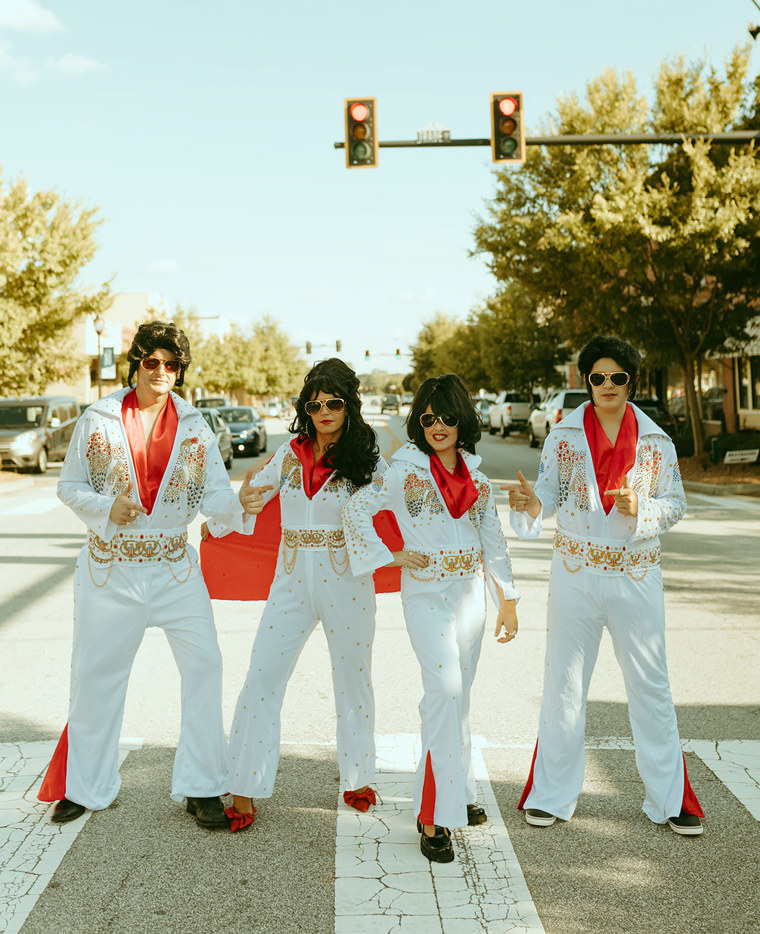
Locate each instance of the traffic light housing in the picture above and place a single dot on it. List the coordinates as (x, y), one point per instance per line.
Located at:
(338, 346)
(507, 127)
(308, 347)
(398, 353)
(366, 356)
(361, 132)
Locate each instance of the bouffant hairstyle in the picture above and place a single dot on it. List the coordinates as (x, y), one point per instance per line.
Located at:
(623, 353)
(355, 454)
(446, 395)
(157, 334)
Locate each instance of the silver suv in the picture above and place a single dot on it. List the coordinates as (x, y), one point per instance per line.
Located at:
(36, 430)
(551, 412)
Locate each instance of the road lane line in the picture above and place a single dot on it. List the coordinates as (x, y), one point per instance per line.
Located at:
(384, 884)
(33, 508)
(31, 847)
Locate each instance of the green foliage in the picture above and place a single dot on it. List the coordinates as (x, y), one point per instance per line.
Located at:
(45, 242)
(656, 244)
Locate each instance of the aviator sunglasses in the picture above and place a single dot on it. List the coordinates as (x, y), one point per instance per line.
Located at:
(618, 378)
(428, 420)
(332, 405)
(153, 363)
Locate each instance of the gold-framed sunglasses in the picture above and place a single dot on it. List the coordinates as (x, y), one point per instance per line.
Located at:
(153, 363)
(427, 420)
(332, 405)
(618, 378)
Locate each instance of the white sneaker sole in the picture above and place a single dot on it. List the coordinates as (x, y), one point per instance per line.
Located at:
(686, 831)
(539, 821)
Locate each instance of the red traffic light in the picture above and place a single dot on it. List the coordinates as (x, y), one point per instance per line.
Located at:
(358, 111)
(507, 127)
(507, 106)
(361, 132)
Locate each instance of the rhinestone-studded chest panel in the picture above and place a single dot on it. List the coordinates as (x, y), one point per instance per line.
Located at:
(290, 472)
(108, 465)
(189, 474)
(478, 508)
(648, 464)
(419, 496)
(571, 464)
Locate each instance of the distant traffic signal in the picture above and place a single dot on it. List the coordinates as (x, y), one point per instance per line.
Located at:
(361, 132)
(398, 353)
(338, 346)
(507, 128)
(366, 355)
(308, 347)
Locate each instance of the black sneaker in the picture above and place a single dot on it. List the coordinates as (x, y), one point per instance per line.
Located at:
(438, 849)
(538, 818)
(688, 825)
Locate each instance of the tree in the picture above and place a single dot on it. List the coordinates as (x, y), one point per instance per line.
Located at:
(280, 367)
(45, 243)
(656, 245)
(428, 356)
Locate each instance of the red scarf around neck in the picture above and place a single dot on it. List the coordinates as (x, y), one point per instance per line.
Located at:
(150, 465)
(457, 489)
(611, 462)
(313, 476)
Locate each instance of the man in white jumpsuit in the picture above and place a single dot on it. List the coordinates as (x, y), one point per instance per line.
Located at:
(141, 464)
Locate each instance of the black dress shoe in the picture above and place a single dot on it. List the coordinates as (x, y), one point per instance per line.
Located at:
(438, 849)
(209, 813)
(66, 810)
(687, 825)
(476, 815)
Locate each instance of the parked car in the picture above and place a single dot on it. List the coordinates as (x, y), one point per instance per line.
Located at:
(390, 403)
(212, 402)
(222, 433)
(551, 412)
(483, 406)
(37, 430)
(510, 412)
(249, 433)
(407, 398)
(271, 409)
(658, 412)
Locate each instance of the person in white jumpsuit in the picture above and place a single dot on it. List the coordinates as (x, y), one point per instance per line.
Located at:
(314, 475)
(453, 545)
(136, 484)
(611, 475)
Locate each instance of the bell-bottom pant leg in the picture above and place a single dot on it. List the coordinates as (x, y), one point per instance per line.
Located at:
(287, 622)
(109, 624)
(445, 624)
(575, 621)
(636, 621)
(183, 610)
(346, 606)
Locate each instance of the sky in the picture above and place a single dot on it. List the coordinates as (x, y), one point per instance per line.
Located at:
(203, 133)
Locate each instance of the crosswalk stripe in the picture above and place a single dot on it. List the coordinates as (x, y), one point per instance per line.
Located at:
(384, 884)
(31, 847)
(34, 507)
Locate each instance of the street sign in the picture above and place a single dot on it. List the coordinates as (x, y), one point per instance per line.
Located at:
(741, 457)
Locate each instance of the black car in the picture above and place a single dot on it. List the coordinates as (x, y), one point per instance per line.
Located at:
(390, 403)
(249, 433)
(658, 412)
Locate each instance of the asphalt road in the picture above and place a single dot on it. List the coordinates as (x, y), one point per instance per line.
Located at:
(143, 865)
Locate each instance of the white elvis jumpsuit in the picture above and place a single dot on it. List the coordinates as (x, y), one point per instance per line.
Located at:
(128, 578)
(444, 607)
(313, 581)
(605, 571)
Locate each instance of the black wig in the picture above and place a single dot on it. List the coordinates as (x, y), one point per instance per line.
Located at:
(446, 395)
(157, 334)
(623, 353)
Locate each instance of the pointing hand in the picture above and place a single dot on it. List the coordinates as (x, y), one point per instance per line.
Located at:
(124, 509)
(252, 497)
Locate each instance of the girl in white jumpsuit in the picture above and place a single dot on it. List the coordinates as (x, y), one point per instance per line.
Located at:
(313, 581)
(612, 505)
(453, 544)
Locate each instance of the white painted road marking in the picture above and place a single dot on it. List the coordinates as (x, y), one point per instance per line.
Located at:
(34, 507)
(384, 884)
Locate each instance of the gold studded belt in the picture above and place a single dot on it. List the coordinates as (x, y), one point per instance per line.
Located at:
(137, 548)
(448, 563)
(601, 556)
(331, 540)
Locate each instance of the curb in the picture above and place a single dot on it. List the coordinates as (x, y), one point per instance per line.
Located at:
(720, 489)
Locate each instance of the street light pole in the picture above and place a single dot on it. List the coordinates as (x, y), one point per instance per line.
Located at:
(98, 324)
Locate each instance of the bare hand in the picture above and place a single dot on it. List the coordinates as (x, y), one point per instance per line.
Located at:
(123, 509)
(626, 500)
(506, 620)
(204, 531)
(521, 496)
(409, 559)
(252, 497)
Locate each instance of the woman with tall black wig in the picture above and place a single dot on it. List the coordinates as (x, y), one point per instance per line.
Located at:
(333, 454)
(611, 475)
(453, 546)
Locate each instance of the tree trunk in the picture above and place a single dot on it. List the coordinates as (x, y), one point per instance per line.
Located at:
(697, 429)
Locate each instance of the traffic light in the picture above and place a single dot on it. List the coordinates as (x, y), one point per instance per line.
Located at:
(507, 128)
(398, 353)
(366, 355)
(308, 347)
(361, 133)
(338, 346)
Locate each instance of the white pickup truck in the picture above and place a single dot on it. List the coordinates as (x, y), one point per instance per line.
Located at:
(509, 413)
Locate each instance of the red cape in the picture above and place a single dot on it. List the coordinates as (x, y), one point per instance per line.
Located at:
(241, 567)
